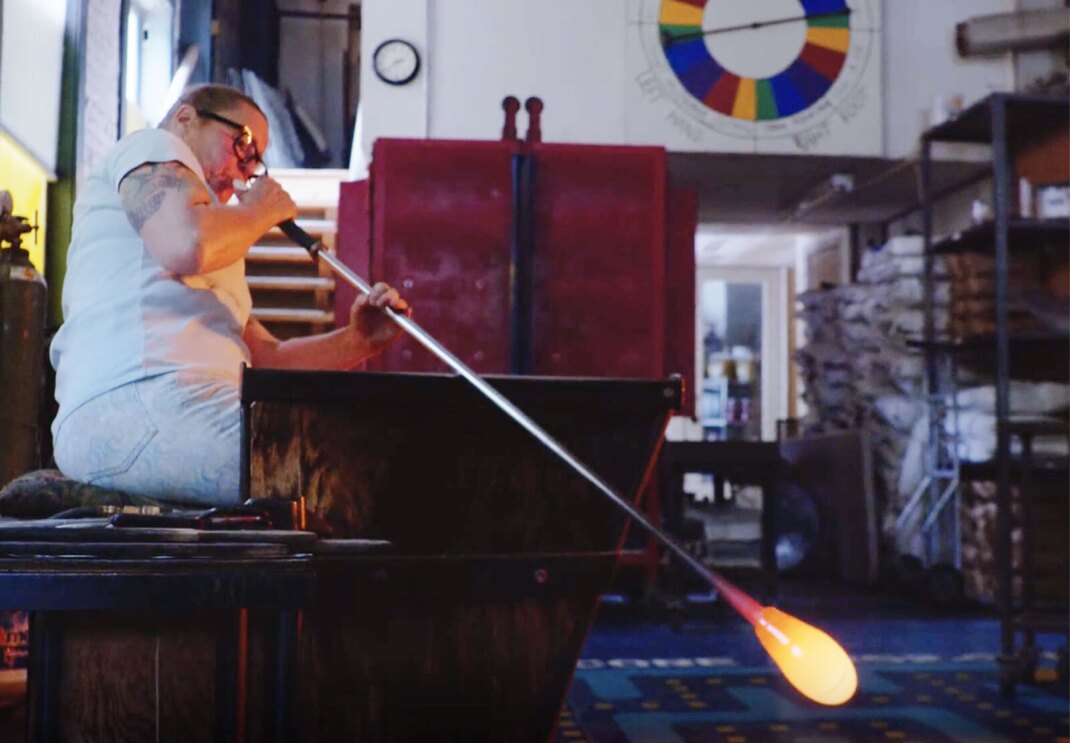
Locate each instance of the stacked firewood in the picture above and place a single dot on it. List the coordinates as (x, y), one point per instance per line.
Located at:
(973, 293)
(977, 520)
(1050, 573)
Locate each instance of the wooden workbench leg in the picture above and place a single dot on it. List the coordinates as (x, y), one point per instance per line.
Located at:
(285, 672)
(229, 678)
(42, 699)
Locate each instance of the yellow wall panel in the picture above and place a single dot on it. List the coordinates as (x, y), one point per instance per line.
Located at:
(28, 183)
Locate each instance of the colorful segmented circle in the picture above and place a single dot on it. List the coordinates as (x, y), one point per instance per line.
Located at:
(798, 86)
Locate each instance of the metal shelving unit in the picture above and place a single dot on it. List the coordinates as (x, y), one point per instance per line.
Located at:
(719, 421)
(981, 237)
(1002, 121)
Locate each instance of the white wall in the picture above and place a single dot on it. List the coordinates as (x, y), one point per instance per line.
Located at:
(1040, 64)
(573, 55)
(388, 110)
(757, 248)
(31, 65)
(474, 53)
(921, 63)
(568, 53)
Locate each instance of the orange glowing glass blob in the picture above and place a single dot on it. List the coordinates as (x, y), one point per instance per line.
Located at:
(813, 662)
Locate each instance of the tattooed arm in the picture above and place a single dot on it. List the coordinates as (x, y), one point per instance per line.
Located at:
(184, 230)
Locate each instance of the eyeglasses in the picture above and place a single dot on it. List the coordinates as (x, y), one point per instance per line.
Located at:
(244, 144)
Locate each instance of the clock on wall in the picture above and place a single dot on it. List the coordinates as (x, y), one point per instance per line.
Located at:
(763, 69)
(395, 61)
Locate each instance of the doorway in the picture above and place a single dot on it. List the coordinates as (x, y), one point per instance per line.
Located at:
(746, 332)
(741, 352)
(318, 68)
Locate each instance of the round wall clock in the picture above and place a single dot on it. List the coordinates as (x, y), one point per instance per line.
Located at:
(395, 61)
(754, 68)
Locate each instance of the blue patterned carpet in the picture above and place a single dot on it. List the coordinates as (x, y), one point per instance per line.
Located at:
(708, 680)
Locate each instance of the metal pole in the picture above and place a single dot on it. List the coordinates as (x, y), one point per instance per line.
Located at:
(935, 392)
(1001, 203)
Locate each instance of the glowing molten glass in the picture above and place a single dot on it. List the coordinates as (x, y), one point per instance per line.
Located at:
(813, 662)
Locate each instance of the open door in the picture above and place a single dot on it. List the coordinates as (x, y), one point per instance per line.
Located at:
(741, 352)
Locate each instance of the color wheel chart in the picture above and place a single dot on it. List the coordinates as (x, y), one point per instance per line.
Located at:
(802, 84)
(762, 68)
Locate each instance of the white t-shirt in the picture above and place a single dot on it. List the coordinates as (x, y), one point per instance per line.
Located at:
(126, 317)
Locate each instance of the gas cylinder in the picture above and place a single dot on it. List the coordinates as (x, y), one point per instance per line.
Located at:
(23, 308)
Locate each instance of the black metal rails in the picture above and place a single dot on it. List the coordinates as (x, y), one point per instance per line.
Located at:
(1005, 122)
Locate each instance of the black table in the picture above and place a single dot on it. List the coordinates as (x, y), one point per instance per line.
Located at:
(751, 462)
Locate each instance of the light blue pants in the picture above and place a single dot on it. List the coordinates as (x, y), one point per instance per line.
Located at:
(174, 437)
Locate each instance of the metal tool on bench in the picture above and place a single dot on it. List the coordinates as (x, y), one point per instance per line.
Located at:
(259, 514)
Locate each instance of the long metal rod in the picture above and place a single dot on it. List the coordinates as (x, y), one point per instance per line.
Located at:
(739, 600)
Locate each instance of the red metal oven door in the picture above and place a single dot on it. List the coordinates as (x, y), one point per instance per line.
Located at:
(441, 226)
(599, 261)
